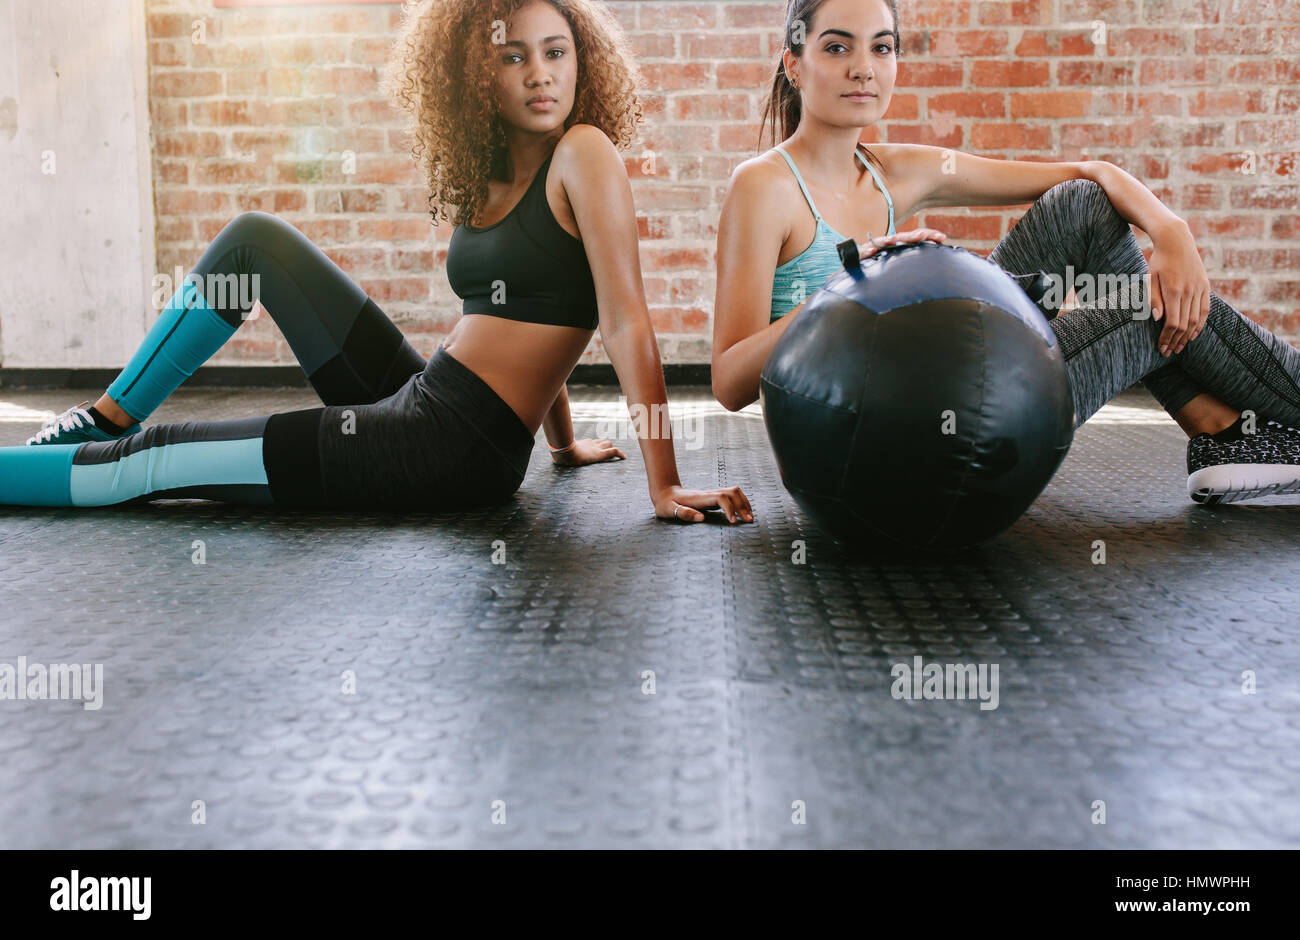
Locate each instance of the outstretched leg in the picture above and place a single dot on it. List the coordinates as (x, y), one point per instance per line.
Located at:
(459, 448)
(252, 460)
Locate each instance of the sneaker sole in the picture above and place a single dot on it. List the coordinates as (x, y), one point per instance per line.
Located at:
(1229, 483)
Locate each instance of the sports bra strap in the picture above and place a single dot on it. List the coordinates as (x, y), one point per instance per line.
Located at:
(865, 162)
(889, 200)
(799, 177)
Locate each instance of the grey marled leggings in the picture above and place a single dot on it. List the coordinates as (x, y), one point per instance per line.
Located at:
(1107, 349)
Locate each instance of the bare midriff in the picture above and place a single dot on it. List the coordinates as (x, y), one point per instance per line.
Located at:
(524, 363)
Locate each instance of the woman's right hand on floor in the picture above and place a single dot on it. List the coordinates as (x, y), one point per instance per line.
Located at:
(684, 505)
(587, 451)
(866, 248)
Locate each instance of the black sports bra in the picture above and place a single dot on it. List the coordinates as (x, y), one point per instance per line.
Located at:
(525, 267)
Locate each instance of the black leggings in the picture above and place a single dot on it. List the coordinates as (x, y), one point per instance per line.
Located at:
(396, 432)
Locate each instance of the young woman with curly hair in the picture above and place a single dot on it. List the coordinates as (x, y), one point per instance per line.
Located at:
(519, 108)
(775, 249)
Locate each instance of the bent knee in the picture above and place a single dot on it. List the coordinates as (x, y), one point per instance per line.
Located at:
(255, 227)
(1085, 201)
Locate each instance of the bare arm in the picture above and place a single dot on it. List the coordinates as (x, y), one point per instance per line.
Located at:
(558, 423)
(751, 231)
(952, 178)
(601, 196)
(1180, 286)
(749, 242)
(1134, 202)
(941, 177)
(750, 234)
(602, 205)
(736, 372)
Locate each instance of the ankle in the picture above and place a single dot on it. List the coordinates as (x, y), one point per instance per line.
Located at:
(109, 410)
(1206, 415)
(1219, 425)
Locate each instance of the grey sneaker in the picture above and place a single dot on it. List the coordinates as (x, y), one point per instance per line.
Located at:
(1266, 463)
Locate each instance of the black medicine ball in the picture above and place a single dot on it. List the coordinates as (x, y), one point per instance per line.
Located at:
(918, 399)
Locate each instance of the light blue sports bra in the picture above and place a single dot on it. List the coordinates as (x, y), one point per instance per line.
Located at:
(805, 273)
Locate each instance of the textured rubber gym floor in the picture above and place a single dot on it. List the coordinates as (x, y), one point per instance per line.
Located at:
(526, 682)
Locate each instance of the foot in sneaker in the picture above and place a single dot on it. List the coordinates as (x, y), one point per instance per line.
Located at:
(1233, 465)
(77, 426)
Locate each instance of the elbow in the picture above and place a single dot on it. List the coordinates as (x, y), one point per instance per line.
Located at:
(1090, 169)
(725, 396)
(725, 400)
(721, 393)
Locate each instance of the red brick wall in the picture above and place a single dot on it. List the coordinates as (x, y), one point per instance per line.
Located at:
(1187, 95)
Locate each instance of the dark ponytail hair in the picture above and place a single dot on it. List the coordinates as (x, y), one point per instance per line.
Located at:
(784, 106)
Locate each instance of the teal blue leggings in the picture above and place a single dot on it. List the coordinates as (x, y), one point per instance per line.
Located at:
(394, 432)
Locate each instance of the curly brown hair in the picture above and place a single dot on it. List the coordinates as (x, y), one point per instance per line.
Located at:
(442, 73)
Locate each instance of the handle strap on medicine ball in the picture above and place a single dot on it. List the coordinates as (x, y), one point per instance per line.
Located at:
(1035, 285)
(849, 256)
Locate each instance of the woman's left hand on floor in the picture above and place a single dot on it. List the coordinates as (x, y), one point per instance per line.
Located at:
(1179, 290)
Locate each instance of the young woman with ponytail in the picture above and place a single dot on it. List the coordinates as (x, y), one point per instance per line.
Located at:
(1203, 361)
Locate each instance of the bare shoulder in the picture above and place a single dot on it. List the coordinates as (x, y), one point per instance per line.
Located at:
(586, 171)
(903, 158)
(762, 166)
(760, 179)
(909, 171)
(587, 163)
(586, 146)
